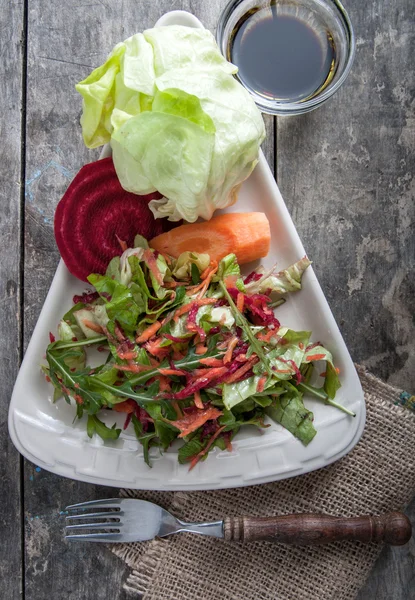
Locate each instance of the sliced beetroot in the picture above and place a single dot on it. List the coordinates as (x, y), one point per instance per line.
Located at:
(95, 213)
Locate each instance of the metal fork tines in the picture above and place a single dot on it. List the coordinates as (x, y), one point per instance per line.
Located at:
(106, 524)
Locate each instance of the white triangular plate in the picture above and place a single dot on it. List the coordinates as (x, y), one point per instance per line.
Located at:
(46, 434)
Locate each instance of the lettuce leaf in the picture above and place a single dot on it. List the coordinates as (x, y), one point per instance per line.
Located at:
(288, 280)
(177, 120)
(331, 381)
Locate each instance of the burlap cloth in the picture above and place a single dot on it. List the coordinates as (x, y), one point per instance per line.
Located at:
(377, 476)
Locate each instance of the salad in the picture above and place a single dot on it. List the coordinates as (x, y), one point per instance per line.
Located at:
(190, 350)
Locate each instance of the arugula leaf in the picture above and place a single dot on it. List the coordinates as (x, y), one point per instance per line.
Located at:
(94, 425)
(232, 423)
(195, 274)
(190, 449)
(321, 395)
(290, 412)
(144, 438)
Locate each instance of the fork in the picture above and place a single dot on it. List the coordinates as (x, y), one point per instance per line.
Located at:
(130, 520)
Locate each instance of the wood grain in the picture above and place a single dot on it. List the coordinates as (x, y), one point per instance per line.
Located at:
(345, 172)
(315, 529)
(11, 45)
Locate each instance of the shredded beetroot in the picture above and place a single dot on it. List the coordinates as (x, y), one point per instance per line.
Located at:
(127, 420)
(220, 302)
(208, 428)
(311, 346)
(175, 339)
(253, 276)
(191, 322)
(51, 337)
(298, 375)
(143, 417)
(85, 298)
(214, 330)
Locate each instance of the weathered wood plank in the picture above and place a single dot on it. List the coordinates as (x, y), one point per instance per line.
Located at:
(346, 172)
(11, 45)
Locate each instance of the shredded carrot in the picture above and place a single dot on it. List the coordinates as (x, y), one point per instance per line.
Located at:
(240, 301)
(93, 326)
(213, 264)
(78, 399)
(261, 384)
(164, 383)
(201, 349)
(265, 337)
(170, 372)
(177, 408)
(148, 333)
(205, 450)
(127, 355)
(134, 368)
(210, 373)
(242, 370)
(315, 357)
(182, 310)
(301, 346)
(228, 443)
(192, 421)
(153, 346)
(283, 371)
(203, 286)
(228, 354)
(128, 406)
(177, 355)
(230, 281)
(122, 243)
(211, 362)
(198, 400)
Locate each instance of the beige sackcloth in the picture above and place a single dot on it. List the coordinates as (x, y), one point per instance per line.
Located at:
(377, 476)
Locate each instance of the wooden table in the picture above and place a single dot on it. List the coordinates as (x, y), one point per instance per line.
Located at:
(346, 172)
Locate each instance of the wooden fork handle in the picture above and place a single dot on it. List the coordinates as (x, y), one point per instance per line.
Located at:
(309, 529)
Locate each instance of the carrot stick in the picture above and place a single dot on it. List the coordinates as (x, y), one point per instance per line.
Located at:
(211, 362)
(201, 349)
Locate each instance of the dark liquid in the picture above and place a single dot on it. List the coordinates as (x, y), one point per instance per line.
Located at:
(288, 56)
